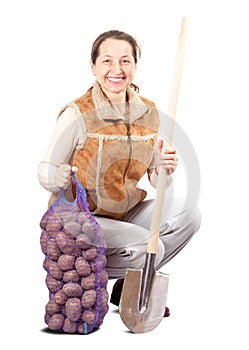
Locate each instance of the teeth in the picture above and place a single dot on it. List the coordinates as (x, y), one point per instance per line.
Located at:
(115, 79)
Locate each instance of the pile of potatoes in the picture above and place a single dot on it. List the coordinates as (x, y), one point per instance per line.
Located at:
(75, 263)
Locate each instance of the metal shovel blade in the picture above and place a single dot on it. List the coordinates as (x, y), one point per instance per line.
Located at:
(142, 321)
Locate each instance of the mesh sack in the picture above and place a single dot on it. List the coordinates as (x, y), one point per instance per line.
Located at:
(75, 261)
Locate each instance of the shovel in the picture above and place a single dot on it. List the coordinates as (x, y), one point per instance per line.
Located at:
(144, 293)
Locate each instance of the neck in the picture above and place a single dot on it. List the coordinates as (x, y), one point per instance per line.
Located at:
(113, 98)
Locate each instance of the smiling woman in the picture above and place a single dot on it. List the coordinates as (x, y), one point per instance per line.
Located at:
(115, 68)
(108, 137)
(112, 44)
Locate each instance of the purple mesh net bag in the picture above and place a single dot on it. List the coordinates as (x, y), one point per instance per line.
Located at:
(75, 261)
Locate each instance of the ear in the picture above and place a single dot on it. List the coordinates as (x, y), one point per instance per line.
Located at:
(93, 67)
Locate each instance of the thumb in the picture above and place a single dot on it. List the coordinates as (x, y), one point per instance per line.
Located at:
(160, 145)
(74, 169)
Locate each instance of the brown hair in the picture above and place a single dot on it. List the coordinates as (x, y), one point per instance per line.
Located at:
(118, 35)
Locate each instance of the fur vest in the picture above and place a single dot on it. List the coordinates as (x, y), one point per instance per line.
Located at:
(117, 152)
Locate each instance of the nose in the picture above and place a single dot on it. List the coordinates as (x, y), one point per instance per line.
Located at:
(116, 68)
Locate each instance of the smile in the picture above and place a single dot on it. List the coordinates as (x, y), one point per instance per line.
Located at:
(115, 80)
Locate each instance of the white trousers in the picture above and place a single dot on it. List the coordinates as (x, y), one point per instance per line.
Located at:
(127, 239)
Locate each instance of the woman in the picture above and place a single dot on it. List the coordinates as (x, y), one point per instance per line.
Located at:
(109, 136)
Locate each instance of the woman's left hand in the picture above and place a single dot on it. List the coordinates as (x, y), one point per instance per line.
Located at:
(167, 158)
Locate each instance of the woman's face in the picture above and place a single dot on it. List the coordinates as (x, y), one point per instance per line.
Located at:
(115, 66)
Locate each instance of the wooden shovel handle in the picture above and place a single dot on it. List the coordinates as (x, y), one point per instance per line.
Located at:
(162, 175)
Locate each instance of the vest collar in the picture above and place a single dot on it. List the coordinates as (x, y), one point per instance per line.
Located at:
(106, 111)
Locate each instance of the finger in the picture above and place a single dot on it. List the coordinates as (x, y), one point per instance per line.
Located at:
(63, 183)
(170, 150)
(160, 145)
(169, 157)
(65, 176)
(74, 169)
(66, 168)
(168, 164)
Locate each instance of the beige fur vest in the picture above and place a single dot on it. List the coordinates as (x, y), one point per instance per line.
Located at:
(115, 154)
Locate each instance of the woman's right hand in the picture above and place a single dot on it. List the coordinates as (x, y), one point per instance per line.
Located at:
(63, 176)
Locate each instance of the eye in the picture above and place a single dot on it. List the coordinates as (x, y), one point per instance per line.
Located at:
(125, 61)
(107, 61)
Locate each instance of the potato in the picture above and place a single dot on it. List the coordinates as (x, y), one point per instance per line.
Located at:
(47, 318)
(73, 228)
(54, 270)
(53, 284)
(89, 229)
(72, 289)
(66, 262)
(103, 278)
(52, 234)
(43, 222)
(69, 326)
(45, 263)
(101, 263)
(81, 327)
(88, 298)
(83, 241)
(53, 251)
(60, 297)
(99, 321)
(82, 266)
(83, 217)
(88, 316)
(104, 310)
(103, 297)
(52, 308)
(73, 309)
(89, 282)
(67, 216)
(53, 223)
(101, 239)
(71, 276)
(64, 208)
(90, 254)
(65, 242)
(44, 242)
(56, 322)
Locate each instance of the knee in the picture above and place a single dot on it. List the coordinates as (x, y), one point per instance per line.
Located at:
(134, 257)
(190, 222)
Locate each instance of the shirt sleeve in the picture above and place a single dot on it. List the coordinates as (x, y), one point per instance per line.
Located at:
(69, 135)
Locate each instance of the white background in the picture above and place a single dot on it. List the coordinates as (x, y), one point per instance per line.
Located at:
(45, 51)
